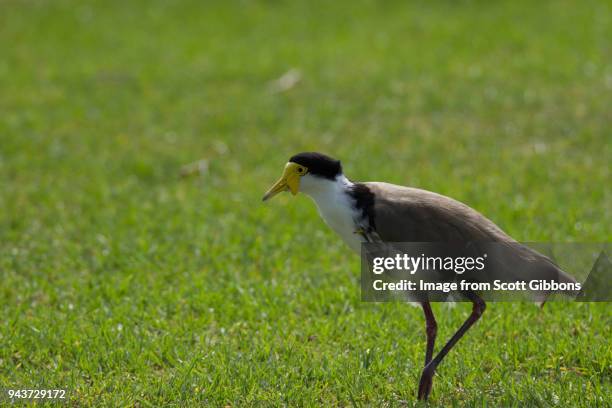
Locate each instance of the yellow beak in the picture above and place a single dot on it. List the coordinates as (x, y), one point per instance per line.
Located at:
(290, 180)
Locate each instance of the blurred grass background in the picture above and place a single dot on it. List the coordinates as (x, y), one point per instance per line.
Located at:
(129, 285)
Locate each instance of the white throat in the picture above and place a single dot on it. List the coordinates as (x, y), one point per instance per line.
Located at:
(335, 206)
(319, 188)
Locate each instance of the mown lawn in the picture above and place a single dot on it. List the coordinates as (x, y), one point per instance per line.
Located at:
(129, 285)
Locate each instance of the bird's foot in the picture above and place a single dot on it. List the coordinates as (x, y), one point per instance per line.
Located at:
(426, 382)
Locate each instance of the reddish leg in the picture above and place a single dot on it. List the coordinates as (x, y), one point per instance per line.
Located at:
(478, 309)
(431, 328)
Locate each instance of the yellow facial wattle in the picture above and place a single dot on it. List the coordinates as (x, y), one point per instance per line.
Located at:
(290, 180)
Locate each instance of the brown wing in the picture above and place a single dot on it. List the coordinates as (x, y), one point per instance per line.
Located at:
(404, 214)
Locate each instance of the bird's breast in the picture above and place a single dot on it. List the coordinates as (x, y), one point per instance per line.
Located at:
(340, 215)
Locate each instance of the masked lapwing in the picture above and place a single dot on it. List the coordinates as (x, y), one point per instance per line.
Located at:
(377, 211)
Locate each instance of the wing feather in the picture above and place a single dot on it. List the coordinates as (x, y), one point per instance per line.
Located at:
(405, 214)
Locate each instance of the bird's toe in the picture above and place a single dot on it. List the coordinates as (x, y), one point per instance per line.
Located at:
(425, 383)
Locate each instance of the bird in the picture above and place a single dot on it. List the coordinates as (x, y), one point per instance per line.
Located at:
(382, 212)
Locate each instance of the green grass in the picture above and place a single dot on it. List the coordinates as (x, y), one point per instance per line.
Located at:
(130, 286)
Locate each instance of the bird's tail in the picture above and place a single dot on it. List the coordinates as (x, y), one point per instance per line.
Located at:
(555, 273)
(522, 263)
(562, 277)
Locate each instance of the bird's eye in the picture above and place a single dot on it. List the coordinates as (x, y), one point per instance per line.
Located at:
(300, 169)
